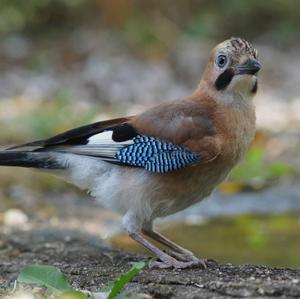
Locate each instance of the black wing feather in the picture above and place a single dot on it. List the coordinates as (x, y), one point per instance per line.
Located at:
(79, 136)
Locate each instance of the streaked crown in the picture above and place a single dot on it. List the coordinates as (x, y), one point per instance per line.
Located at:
(238, 46)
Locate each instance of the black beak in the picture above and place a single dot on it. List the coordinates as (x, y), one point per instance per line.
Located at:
(250, 67)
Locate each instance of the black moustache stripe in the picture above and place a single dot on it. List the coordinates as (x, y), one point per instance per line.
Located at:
(254, 88)
(224, 79)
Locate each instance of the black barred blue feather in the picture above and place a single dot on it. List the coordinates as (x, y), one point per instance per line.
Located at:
(155, 155)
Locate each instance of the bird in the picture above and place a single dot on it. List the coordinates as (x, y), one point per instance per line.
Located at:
(165, 159)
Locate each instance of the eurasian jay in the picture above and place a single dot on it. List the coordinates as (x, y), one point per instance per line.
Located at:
(163, 160)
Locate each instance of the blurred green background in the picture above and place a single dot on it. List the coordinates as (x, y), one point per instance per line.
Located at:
(154, 21)
(65, 63)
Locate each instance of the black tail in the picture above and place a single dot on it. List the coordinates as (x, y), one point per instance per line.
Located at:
(43, 160)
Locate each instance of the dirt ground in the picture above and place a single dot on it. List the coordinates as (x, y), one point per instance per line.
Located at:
(90, 265)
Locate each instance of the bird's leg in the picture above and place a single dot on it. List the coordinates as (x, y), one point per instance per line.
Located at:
(167, 261)
(177, 251)
(134, 225)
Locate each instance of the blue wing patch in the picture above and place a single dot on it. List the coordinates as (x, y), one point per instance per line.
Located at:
(155, 155)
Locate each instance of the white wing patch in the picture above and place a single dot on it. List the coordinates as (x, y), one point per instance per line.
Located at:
(104, 138)
(101, 138)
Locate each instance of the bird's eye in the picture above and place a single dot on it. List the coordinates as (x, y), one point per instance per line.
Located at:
(221, 60)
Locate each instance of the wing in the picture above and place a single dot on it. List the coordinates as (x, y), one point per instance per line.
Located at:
(123, 145)
(128, 141)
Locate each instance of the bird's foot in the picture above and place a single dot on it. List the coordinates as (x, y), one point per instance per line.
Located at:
(178, 258)
(174, 264)
(182, 256)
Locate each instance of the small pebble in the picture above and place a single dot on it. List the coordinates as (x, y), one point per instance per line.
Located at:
(15, 218)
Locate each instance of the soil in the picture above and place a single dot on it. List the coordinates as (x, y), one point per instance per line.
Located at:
(90, 265)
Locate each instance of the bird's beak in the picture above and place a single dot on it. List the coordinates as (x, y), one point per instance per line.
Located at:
(250, 67)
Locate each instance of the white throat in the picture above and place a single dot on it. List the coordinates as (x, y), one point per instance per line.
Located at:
(240, 89)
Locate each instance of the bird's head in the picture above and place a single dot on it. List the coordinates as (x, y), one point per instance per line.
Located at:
(232, 69)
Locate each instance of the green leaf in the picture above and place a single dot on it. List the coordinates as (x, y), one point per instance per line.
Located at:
(279, 169)
(46, 276)
(123, 279)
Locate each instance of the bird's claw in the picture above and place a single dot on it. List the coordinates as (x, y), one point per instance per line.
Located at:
(183, 257)
(199, 263)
